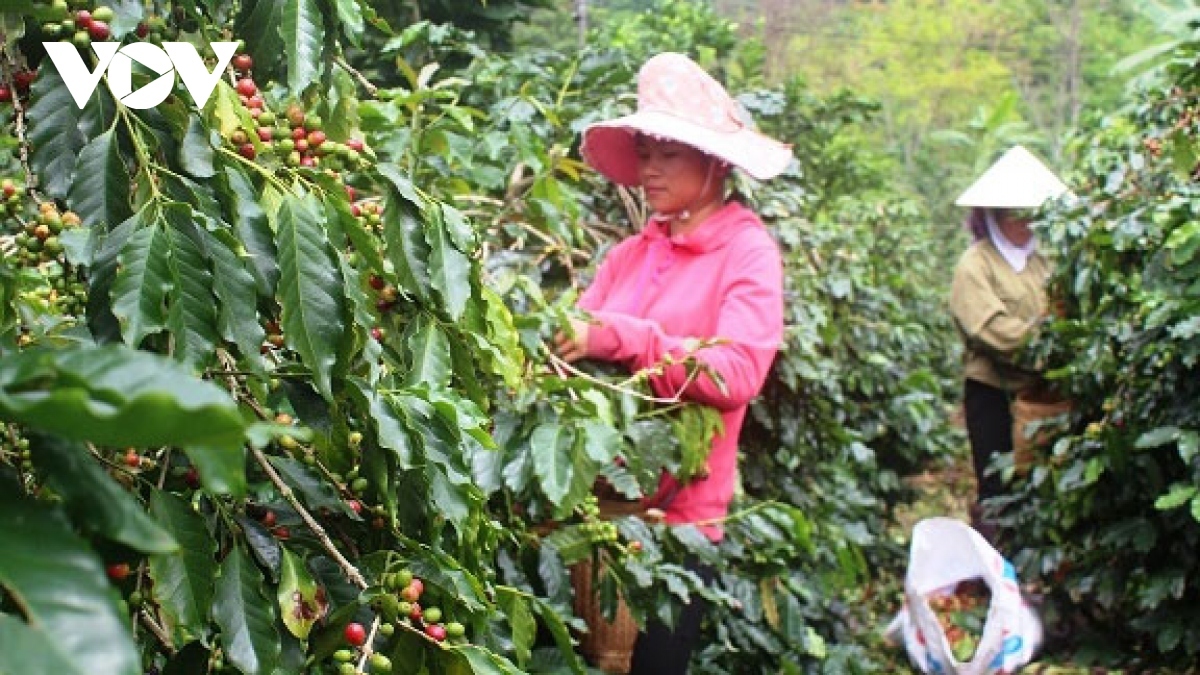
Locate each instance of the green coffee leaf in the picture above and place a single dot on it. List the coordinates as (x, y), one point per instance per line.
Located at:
(1179, 495)
(54, 131)
(116, 396)
(183, 581)
(246, 616)
(192, 316)
(25, 649)
(449, 268)
(428, 351)
(243, 211)
(301, 601)
(99, 192)
(302, 30)
(551, 444)
(237, 311)
(310, 290)
(316, 493)
(524, 629)
(407, 248)
(472, 659)
(59, 583)
(351, 16)
(143, 280)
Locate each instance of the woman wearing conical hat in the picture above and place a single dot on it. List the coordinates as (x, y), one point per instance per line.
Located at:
(997, 298)
(702, 267)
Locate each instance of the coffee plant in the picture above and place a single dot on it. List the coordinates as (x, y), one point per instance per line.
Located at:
(1108, 518)
(274, 379)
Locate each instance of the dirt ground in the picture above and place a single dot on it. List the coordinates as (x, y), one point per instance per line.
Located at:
(947, 490)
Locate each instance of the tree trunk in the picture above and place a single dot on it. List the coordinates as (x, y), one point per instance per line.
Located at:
(1074, 62)
(581, 18)
(1070, 98)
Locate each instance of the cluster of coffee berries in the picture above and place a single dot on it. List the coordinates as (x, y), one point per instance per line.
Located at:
(589, 507)
(594, 527)
(36, 245)
(274, 337)
(403, 603)
(64, 291)
(122, 572)
(369, 213)
(399, 604)
(132, 460)
(352, 486)
(79, 22)
(124, 466)
(357, 486)
(300, 139)
(386, 294)
(83, 22)
(12, 199)
(252, 100)
(287, 442)
(367, 210)
(14, 448)
(598, 531)
(270, 520)
(22, 80)
(356, 636)
(38, 238)
(297, 137)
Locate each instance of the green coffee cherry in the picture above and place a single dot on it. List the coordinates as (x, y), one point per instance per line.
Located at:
(380, 663)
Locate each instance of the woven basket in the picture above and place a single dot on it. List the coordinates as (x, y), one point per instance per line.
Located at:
(608, 646)
(1028, 407)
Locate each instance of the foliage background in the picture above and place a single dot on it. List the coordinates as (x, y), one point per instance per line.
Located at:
(437, 393)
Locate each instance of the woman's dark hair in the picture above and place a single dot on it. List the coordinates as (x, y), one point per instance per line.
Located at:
(976, 223)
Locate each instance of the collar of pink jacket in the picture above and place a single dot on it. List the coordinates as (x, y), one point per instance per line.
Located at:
(713, 233)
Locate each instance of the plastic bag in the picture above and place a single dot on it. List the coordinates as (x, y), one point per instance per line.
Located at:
(945, 552)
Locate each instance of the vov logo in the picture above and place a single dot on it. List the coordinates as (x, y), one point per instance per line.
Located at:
(178, 57)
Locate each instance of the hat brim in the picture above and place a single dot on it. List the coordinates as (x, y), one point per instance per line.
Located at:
(610, 147)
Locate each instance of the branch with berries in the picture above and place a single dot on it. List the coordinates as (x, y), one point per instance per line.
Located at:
(15, 87)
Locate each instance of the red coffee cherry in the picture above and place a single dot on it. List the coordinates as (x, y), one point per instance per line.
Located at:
(355, 634)
(117, 571)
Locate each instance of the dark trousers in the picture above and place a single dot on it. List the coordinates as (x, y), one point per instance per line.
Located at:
(661, 651)
(989, 428)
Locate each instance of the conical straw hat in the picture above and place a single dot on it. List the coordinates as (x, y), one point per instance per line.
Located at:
(1017, 180)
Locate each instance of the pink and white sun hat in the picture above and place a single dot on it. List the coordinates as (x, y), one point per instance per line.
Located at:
(677, 100)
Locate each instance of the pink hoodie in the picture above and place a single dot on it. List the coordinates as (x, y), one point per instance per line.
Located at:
(654, 290)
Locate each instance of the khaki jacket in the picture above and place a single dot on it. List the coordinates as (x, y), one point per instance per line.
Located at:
(996, 310)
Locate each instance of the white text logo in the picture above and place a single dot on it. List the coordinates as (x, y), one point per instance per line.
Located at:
(179, 57)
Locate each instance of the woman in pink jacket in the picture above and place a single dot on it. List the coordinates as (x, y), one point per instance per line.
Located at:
(702, 267)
